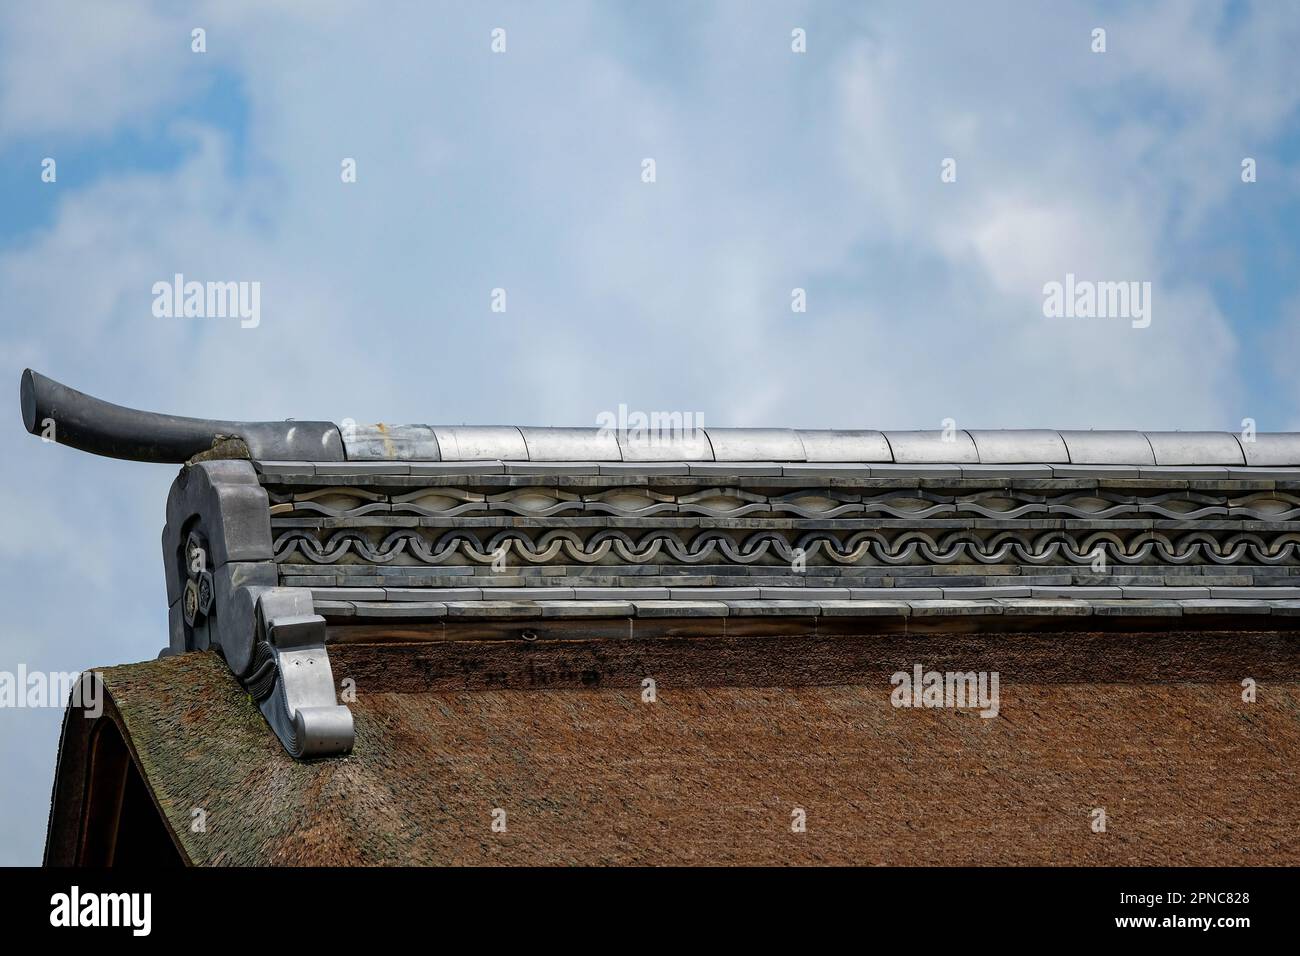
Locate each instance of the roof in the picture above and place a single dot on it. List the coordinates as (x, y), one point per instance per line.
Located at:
(496, 596)
(739, 737)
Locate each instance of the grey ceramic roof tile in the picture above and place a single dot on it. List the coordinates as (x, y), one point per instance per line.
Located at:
(1264, 473)
(773, 608)
(1096, 471)
(334, 608)
(527, 594)
(1272, 449)
(286, 469)
(1196, 448)
(665, 445)
(747, 469)
(973, 594)
(586, 608)
(948, 608)
(825, 469)
(1006, 471)
(844, 446)
(457, 468)
(680, 608)
(755, 444)
(916, 470)
(1020, 446)
(1108, 448)
(508, 609)
(390, 442)
(481, 443)
(396, 609)
(713, 594)
(932, 447)
(620, 594)
(1185, 472)
(796, 594)
(1044, 607)
(571, 444)
(866, 609)
(347, 594)
(551, 468)
(1137, 609)
(362, 468)
(433, 594)
(1168, 593)
(1204, 606)
(1256, 593)
(1086, 592)
(649, 468)
(895, 594)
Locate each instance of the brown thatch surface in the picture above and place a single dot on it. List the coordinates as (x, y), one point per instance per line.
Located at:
(1187, 772)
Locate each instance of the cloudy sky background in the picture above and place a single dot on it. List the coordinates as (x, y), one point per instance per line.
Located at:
(522, 171)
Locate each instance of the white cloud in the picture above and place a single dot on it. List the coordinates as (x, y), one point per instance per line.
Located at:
(522, 171)
(79, 69)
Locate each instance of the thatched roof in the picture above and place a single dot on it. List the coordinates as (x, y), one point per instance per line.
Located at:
(559, 737)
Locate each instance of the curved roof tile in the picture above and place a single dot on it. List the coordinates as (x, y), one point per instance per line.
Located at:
(1196, 448)
(932, 447)
(1108, 448)
(1010, 447)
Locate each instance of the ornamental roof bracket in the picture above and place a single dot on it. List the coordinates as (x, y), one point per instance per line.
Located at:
(291, 679)
(223, 593)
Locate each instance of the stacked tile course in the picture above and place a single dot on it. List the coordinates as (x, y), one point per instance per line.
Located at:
(1182, 522)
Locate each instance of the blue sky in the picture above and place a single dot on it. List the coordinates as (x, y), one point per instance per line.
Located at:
(522, 171)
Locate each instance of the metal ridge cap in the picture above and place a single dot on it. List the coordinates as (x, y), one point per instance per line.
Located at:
(757, 471)
(59, 413)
